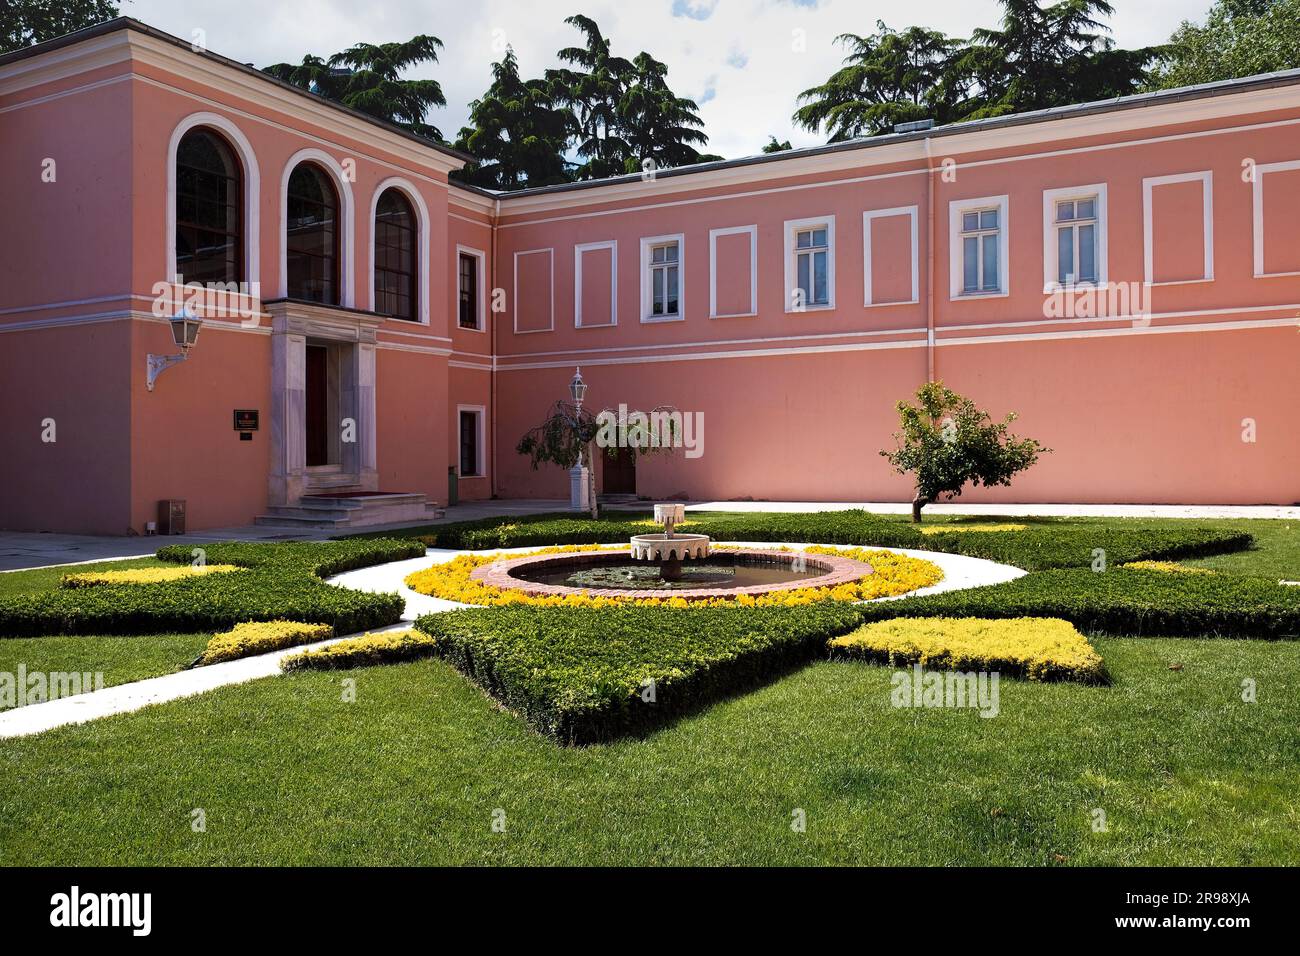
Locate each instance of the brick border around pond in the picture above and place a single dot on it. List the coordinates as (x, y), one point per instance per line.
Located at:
(838, 570)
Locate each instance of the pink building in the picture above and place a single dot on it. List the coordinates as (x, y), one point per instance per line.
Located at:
(1125, 275)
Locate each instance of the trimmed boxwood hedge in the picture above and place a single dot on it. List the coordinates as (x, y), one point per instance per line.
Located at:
(283, 580)
(582, 675)
(1123, 601)
(1043, 544)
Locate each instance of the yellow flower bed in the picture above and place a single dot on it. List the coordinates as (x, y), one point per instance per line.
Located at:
(386, 648)
(1040, 648)
(894, 574)
(88, 579)
(259, 637)
(1166, 567)
(948, 528)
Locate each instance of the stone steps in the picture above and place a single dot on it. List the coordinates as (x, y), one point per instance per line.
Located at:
(344, 512)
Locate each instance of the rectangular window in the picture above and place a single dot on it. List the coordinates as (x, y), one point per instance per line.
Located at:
(468, 291)
(470, 463)
(1076, 241)
(981, 238)
(664, 275)
(812, 250)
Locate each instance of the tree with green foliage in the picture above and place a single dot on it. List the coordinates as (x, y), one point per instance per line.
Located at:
(594, 91)
(368, 77)
(517, 133)
(1238, 38)
(24, 22)
(946, 442)
(888, 77)
(775, 145)
(657, 124)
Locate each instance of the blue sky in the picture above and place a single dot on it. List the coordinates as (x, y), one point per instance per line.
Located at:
(744, 61)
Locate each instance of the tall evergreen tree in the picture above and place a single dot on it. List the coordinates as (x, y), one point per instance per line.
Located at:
(888, 77)
(594, 92)
(657, 124)
(24, 22)
(368, 77)
(517, 134)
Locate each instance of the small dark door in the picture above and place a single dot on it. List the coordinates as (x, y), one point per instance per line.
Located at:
(317, 403)
(619, 472)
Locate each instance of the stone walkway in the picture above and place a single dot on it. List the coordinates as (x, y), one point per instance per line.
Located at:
(959, 572)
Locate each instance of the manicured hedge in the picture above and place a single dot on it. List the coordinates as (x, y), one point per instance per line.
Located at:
(1123, 601)
(581, 675)
(1042, 545)
(283, 580)
(261, 637)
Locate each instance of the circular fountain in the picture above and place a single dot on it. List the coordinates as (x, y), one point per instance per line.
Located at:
(653, 568)
(667, 548)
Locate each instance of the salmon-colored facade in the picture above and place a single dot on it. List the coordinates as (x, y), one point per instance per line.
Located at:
(1125, 276)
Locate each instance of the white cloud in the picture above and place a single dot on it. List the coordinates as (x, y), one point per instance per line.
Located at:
(737, 58)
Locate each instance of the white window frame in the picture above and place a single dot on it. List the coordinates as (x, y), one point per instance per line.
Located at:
(480, 319)
(956, 272)
(1257, 212)
(714, 234)
(480, 413)
(550, 251)
(648, 244)
(791, 228)
(1206, 179)
(867, 218)
(578, 252)
(1096, 192)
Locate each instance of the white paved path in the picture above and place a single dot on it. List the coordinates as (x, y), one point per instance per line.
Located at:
(959, 572)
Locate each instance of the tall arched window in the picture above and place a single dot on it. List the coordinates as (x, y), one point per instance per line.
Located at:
(209, 203)
(312, 242)
(395, 256)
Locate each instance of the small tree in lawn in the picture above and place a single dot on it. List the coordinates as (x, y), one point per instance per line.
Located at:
(946, 443)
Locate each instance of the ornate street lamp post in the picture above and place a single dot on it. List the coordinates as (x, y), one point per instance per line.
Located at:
(581, 493)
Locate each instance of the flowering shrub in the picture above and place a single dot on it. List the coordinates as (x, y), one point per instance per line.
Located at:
(1035, 647)
(1166, 567)
(387, 648)
(894, 574)
(88, 579)
(953, 528)
(260, 637)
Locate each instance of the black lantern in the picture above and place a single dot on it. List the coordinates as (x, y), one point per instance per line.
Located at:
(185, 329)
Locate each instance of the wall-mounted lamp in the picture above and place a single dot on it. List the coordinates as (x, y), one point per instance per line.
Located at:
(185, 332)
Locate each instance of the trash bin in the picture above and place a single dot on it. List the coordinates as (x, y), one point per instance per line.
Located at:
(171, 516)
(453, 486)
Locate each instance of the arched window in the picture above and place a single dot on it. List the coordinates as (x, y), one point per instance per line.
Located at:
(395, 256)
(209, 203)
(312, 242)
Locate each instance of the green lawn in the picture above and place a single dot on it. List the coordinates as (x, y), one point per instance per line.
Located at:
(287, 773)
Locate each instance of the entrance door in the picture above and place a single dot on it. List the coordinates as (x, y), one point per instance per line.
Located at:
(317, 402)
(619, 472)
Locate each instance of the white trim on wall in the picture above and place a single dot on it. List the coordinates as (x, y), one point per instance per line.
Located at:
(867, 218)
(1257, 213)
(955, 272)
(752, 232)
(251, 188)
(514, 308)
(1206, 179)
(424, 288)
(347, 228)
(480, 320)
(1050, 198)
(578, 251)
(647, 244)
(480, 445)
(789, 228)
